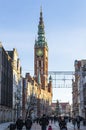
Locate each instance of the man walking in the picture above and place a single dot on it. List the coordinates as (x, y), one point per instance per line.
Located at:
(19, 123)
(44, 122)
(78, 122)
(28, 123)
(74, 122)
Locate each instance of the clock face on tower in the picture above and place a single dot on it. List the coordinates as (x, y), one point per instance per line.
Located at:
(39, 52)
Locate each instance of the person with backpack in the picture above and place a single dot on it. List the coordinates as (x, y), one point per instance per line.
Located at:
(28, 123)
(43, 122)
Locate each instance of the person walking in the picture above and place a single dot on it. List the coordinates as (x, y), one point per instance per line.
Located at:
(28, 123)
(19, 123)
(50, 127)
(78, 122)
(43, 122)
(62, 124)
(74, 122)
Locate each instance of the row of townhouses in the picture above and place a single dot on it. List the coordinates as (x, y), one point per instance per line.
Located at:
(79, 89)
(23, 96)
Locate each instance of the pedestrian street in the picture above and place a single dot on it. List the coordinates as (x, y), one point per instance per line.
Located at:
(55, 126)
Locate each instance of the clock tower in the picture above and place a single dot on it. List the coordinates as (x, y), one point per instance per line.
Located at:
(41, 56)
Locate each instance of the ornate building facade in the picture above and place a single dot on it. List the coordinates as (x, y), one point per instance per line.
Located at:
(39, 87)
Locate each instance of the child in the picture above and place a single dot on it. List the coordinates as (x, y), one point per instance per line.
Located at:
(50, 127)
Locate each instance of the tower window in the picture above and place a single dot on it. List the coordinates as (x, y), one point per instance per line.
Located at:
(39, 63)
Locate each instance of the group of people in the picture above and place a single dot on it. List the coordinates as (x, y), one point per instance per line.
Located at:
(76, 121)
(28, 123)
(20, 123)
(44, 122)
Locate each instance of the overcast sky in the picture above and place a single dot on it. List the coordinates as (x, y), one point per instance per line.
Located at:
(65, 31)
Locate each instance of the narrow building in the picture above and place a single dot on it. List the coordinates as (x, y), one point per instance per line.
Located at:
(6, 85)
(79, 89)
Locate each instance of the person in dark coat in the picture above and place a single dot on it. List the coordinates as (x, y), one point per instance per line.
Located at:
(74, 122)
(44, 122)
(28, 123)
(19, 123)
(78, 122)
(62, 123)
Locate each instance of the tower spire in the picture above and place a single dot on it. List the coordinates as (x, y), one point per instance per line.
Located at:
(41, 8)
(41, 33)
(41, 18)
(41, 23)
